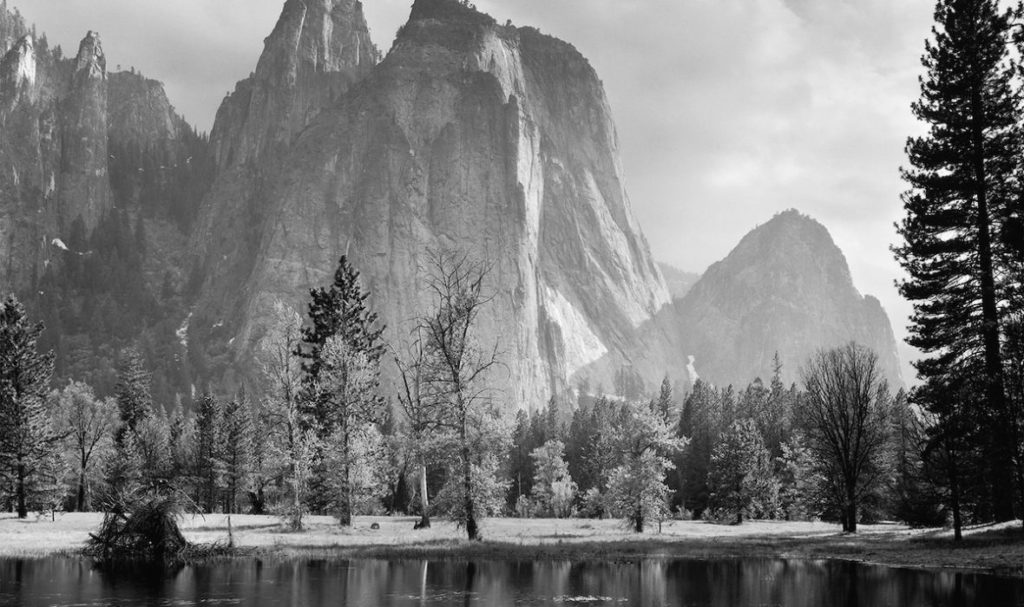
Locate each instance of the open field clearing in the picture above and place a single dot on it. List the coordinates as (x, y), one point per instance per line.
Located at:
(998, 548)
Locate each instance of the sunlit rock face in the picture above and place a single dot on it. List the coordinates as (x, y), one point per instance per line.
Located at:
(785, 288)
(494, 140)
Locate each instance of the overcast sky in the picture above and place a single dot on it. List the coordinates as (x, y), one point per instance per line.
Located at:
(728, 110)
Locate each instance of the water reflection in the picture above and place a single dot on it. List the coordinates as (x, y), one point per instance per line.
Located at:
(718, 583)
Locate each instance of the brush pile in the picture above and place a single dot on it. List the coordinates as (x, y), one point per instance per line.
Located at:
(144, 528)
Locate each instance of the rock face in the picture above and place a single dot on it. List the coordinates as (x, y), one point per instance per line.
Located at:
(316, 51)
(85, 184)
(785, 288)
(491, 139)
(99, 181)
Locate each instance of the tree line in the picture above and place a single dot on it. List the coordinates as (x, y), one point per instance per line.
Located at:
(319, 431)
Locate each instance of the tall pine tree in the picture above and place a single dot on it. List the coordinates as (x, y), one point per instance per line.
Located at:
(339, 316)
(963, 178)
(27, 440)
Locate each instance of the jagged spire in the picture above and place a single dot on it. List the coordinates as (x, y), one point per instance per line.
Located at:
(90, 61)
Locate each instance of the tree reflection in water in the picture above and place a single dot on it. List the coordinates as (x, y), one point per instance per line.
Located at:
(717, 583)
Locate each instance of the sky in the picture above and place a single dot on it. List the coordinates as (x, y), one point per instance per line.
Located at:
(728, 111)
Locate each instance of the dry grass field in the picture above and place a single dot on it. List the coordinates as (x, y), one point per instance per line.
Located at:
(998, 548)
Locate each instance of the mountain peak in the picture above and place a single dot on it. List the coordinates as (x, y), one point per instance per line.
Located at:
(317, 50)
(319, 36)
(786, 288)
(18, 66)
(90, 61)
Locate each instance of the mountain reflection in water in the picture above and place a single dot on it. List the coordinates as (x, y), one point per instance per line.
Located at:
(716, 583)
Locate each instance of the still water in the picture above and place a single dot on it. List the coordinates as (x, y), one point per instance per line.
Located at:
(693, 583)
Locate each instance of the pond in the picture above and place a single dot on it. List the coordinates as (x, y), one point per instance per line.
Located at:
(693, 583)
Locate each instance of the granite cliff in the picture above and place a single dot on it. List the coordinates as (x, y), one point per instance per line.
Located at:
(493, 139)
(121, 225)
(99, 182)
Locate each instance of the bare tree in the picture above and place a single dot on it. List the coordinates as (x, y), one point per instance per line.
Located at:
(423, 414)
(87, 423)
(282, 371)
(348, 383)
(455, 365)
(846, 412)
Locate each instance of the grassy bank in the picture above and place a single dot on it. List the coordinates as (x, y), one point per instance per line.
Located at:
(991, 548)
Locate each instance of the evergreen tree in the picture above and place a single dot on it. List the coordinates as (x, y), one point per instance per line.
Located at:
(134, 402)
(339, 310)
(208, 465)
(27, 440)
(236, 449)
(339, 315)
(665, 404)
(553, 488)
(963, 181)
(643, 444)
(698, 424)
(741, 479)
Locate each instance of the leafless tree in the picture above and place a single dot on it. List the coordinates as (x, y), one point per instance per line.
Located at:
(87, 423)
(423, 413)
(456, 366)
(846, 412)
(281, 408)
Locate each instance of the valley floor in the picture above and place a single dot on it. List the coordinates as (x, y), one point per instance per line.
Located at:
(993, 548)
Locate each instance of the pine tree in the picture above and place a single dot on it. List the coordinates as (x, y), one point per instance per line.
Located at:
(27, 440)
(208, 466)
(963, 180)
(642, 446)
(741, 478)
(553, 488)
(698, 424)
(666, 404)
(134, 402)
(339, 310)
(236, 449)
(339, 315)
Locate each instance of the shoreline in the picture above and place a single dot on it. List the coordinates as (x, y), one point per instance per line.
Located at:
(988, 549)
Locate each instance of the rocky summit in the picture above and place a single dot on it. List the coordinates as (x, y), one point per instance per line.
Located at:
(786, 289)
(120, 225)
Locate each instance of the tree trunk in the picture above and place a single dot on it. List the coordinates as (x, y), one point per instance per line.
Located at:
(638, 520)
(1002, 450)
(22, 506)
(467, 479)
(851, 513)
(345, 514)
(424, 500)
(80, 501)
(954, 483)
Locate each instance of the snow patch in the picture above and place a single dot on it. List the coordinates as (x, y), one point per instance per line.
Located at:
(582, 346)
(182, 332)
(691, 369)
